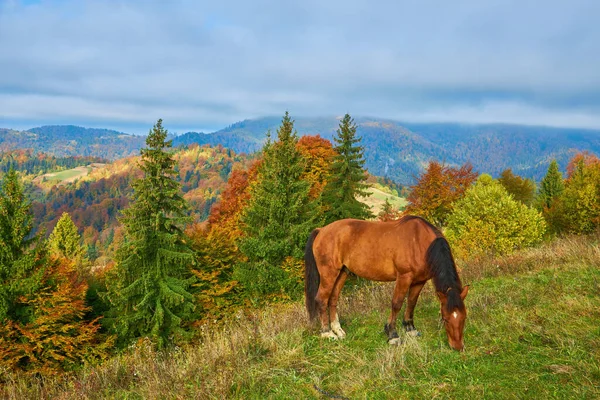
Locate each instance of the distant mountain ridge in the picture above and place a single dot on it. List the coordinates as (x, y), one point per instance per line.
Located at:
(394, 149)
(71, 140)
(401, 150)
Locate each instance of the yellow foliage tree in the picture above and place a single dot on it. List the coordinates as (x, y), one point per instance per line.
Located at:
(487, 220)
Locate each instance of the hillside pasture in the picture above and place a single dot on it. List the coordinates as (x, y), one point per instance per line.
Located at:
(66, 176)
(532, 332)
(377, 199)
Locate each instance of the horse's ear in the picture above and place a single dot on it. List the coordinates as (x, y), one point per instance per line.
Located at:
(442, 296)
(464, 292)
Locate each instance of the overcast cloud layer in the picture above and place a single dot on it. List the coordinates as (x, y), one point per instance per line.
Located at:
(201, 65)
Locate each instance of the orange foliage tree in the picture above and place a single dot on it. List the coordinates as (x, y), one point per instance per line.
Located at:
(58, 338)
(215, 245)
(436, 190)
(318, 154)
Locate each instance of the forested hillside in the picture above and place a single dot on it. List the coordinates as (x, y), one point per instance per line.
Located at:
(95, 201)
(69, 140)
(401, 150)
(398, 150)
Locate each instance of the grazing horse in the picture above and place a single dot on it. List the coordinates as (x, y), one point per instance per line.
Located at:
(409, 251)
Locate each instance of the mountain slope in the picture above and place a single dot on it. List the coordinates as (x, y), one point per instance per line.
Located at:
(401, 150)
(69, 140)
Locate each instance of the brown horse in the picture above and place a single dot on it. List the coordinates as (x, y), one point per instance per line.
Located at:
(409, 251)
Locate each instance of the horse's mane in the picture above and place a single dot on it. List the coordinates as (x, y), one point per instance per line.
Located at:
(442, 266)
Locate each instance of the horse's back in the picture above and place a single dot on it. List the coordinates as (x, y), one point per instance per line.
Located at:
(372, 249)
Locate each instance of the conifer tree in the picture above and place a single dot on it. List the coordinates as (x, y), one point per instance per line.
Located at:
(388, 212)
(149, 287)
(22, 256)
(280, 214)
(348, 177)
(552, 186)
(64, 241)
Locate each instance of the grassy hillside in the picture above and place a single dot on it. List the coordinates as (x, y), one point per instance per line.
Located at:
(532, 332)
(377, 199)
(46, 181)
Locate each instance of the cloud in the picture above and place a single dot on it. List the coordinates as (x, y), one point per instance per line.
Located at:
(208, 64)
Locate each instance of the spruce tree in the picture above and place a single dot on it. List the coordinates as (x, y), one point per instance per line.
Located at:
(348, 176)
(280, 214)
(64, 241)
(552, 186)
(22, 256)
(149, 289)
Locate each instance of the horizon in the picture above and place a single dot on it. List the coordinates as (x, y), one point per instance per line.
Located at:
(203, 66)
(144, 130)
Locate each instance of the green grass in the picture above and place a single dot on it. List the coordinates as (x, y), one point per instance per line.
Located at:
(377, 199)
(68, 174)
(533, 331)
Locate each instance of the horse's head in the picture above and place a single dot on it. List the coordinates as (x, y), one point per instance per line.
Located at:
(454, 315)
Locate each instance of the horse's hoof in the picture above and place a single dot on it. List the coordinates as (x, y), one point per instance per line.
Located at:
(413, 333)
(394, 342)
(329, 335)
(337, 329)
(339, 333)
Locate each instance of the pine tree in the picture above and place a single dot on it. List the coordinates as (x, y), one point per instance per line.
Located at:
(552, 186)
(64, 241)
(149, 287)
(388, 212)
(348, 176)
(22, 256)
(280, 214)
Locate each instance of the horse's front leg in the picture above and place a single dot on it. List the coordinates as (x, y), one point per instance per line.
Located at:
(402, 284)
(413, 296)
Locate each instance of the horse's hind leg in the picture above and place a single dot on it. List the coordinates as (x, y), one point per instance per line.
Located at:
(402, 285)
(322, 299)
(413, 296)
(333, 300)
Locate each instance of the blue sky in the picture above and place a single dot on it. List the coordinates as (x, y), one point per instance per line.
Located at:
(201, 65)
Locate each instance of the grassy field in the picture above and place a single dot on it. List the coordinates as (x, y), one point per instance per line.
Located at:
(533, 331)
(64, 177)
(377, 199)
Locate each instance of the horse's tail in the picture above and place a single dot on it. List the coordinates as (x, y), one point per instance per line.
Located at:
(311, 277)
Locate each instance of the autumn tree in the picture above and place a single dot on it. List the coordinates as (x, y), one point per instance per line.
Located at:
(437, 189)
(279, 216)
(348, 176)
(521, 189)
(318, 154)
(149, 287)
(22, 255)
(579, 205)
(58, 337)
(487, 220)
